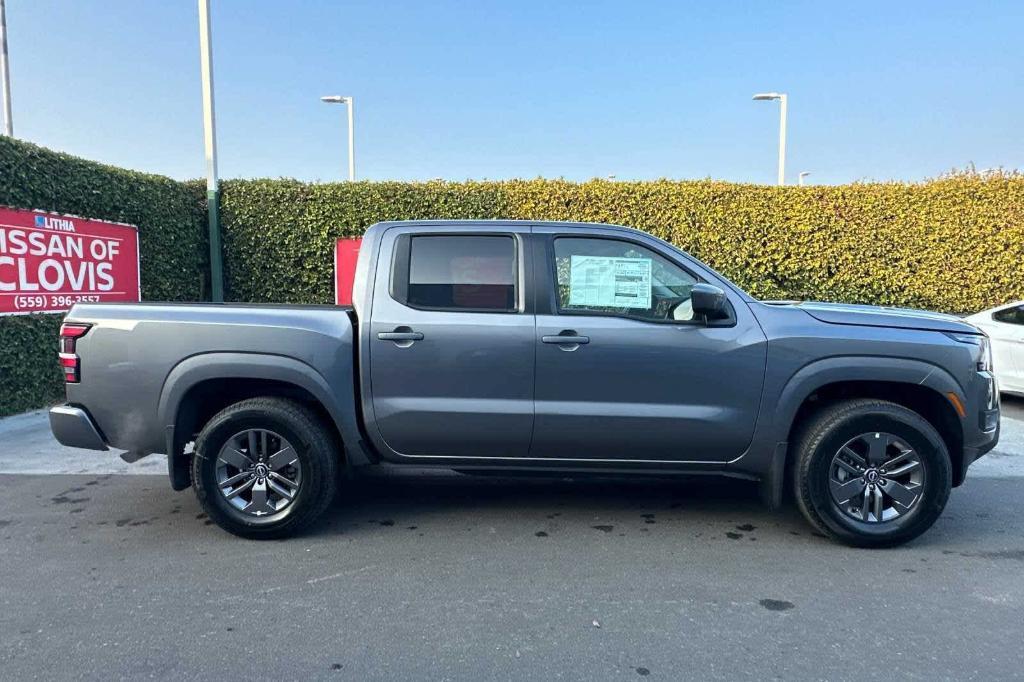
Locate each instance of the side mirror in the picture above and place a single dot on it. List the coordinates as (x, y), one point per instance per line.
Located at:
(709, 301)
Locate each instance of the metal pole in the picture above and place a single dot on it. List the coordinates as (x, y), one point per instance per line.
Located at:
(351, 141)
(5, 72)
(782, 139)
(210, 145)
(803, 174)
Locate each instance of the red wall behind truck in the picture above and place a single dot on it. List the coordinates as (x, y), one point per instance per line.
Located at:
(346, 253)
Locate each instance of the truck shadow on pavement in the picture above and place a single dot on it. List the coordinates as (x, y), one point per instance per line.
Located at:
(687, 507)
(425, 503)
(695, 507)
(465, 513)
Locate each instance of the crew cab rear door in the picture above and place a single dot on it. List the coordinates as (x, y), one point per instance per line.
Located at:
(624, 372)
(451, 343)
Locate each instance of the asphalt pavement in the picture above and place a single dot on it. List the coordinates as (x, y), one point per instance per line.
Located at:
(442, 576)
(1012, 408)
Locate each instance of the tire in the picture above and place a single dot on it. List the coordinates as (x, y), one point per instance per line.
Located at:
(851, 430)
(221, 450)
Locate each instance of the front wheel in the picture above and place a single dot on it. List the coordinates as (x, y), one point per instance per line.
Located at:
(871, 473)
(264, 468)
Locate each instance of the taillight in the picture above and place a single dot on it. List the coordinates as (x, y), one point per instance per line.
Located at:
(69, 361)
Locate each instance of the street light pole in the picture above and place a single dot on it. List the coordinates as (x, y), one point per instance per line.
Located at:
(351, 141)
(338, 99)
(782, 139)
(800, 178)
(781, 96)
(5, 72)
(210, 146)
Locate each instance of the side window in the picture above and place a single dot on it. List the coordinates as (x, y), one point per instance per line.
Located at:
(613, 277)
(1010, 315)
(467, 273)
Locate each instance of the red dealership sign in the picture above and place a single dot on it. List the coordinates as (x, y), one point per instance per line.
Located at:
(346, 253)
(49, 262)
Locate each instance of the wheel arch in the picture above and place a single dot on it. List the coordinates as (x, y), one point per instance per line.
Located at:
(916, 385)
(202, 385)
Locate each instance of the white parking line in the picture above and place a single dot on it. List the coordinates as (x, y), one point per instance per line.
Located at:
(27, 447)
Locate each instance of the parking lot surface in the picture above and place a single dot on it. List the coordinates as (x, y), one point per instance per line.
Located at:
(431, 575)
(450, 577)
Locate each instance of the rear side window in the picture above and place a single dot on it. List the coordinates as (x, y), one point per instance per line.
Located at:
(462, 273)
(1010, 315)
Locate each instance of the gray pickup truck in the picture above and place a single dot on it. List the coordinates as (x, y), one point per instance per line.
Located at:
(567, 348)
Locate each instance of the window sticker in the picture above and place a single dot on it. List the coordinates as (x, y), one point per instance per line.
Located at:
(602, 282)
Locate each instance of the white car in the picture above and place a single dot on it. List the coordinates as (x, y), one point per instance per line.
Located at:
(1005, 327)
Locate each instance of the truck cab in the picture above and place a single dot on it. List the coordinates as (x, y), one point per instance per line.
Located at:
(481, 345)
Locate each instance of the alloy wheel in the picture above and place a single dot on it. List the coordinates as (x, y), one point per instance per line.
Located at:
(258, 472)
(876, 477)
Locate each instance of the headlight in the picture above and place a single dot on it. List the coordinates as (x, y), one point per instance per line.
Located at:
(985, 348)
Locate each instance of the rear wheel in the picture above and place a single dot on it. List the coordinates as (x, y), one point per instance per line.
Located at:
(265, 468)
(871, 473)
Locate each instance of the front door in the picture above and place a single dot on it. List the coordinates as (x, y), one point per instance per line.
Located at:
(451, 344)
(625, 372)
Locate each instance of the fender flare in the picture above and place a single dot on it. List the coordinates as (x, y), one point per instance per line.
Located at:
(188, 373)
(820, 373)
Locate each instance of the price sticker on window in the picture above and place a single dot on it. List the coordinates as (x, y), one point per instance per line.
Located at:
(602, 282)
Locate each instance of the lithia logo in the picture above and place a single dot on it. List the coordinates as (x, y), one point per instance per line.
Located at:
(58, 224)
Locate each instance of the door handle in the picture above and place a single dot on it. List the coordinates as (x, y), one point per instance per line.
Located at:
(400, 336)
(566, 338)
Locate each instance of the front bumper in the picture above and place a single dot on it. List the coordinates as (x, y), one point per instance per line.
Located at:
(73, 427)
(981, 426)
(973, 452)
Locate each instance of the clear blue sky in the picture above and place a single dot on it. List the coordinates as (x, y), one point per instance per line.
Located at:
(878, 90)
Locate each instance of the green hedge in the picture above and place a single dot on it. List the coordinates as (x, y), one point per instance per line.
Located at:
(279, 235)
(171, 220)
(954, 244)
(29, 375)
